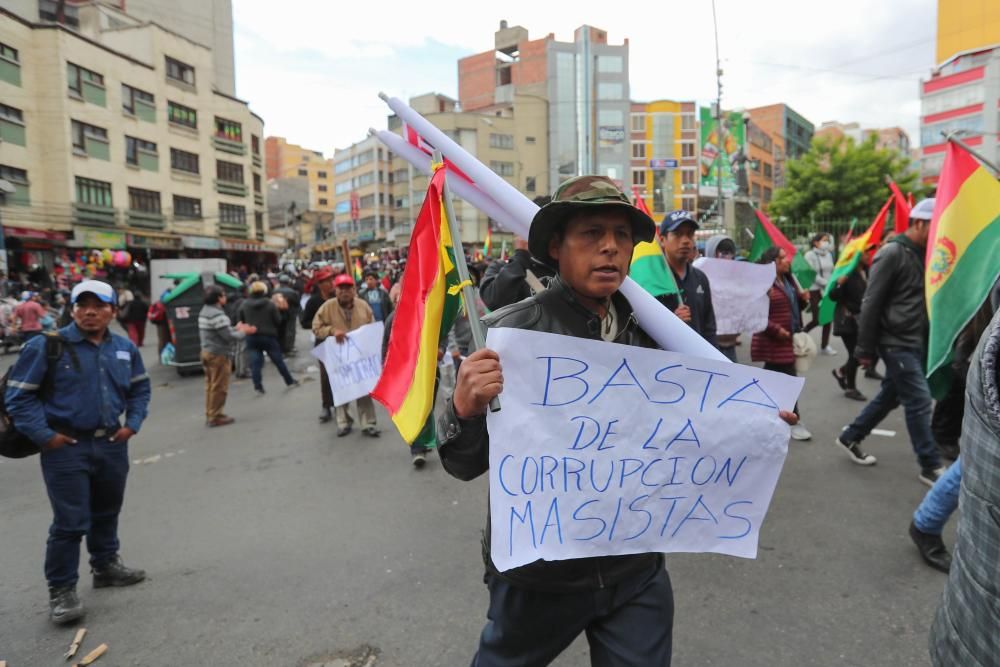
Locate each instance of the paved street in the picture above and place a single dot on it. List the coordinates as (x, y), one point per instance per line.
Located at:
(272, 542)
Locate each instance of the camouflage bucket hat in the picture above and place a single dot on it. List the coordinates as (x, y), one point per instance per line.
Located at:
(583, 193)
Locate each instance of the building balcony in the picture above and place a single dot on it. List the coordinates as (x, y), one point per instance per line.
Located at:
(95, 216)
(229, 146)
(228, 188)
(233, 230)
(257, 161)
(258, 199)
(145, 220)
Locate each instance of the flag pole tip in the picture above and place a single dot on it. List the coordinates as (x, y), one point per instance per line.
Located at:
(382, 96)
(372, 131)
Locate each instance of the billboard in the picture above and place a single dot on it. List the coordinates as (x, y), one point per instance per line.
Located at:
(712, 152)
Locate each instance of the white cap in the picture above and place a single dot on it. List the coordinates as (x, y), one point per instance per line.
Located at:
(924, 210)
(101, 290)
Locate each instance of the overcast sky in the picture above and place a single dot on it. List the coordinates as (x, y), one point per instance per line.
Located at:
(313, 68)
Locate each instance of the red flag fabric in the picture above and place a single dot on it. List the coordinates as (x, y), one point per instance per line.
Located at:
(640, 203)
(902, 208)
(413, 138)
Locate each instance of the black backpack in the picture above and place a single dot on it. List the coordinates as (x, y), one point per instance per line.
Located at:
(13, 443)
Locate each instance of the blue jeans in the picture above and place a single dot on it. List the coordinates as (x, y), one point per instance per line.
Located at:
(904, 383)
(257, 345)
(940, 502)
(628, 624)
(86, 486)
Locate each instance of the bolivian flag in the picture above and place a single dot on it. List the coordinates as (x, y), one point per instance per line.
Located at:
(850, 257)
(963, 250)
(359, 272)
(428, 304)
(488, 244)
(649, 267)
(766, 235)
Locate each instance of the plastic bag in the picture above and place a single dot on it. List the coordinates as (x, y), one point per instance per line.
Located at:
(168, 354)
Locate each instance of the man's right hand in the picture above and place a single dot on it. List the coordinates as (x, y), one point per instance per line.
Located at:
(59, 440)
(684, 312)
(480, 380)
(340, 335)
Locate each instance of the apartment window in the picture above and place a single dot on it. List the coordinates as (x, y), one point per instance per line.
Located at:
(687, 122)
(688, 176)
(323, 187)
(229, 172)
(59, 12)
(768, 171)
(132, 147)
(232, 215)
(638, 151)
(179, 71)
(529, 184)
(187, 207)
(320, 174)
(76, 75)
(258, 222)
(342, 187)
(505, 141)
(228, 129)
(639, 122)
(130, 95)
(755, 190)
(255, 144)
(146, 201)
(11, 114)
(767, 194)
(8, 53)
(256, 182)
(502, 168)
(610, 64)
(303, 172)
(94, 193)
(639, 177)
(323, 202)
(184, 161)
(16, 176)
(182, 115)
(82, 131)
(687, 150)
(610, 91)
(342, 166)
(529, 140)
(367, 201)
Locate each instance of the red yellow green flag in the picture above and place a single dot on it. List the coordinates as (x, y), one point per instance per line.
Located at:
(649, 267)
(359, 273)
(488, 243)
(962, 250)
(766, 235)
(429, 302)
(850, 256)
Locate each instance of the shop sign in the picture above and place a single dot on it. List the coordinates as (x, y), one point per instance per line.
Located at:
(241, 245)
(94, 238)
(154, 242)
(28, 233)
(201, 242)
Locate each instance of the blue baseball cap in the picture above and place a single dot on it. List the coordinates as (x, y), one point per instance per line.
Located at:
(101, 290)
(674, 219)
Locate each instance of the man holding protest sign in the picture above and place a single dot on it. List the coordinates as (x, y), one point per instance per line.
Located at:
(623, 602)
(335, 318)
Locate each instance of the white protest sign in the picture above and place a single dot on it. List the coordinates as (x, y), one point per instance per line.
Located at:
(739, 293)
(355, 365)
(603, 449)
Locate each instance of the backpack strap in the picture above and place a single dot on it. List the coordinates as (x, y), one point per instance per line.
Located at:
(55, 345)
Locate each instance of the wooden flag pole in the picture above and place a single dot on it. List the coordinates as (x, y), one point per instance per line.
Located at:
(468, 291)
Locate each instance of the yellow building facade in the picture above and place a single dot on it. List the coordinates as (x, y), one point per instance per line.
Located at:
(663, 146)
(966, 25)
(285, 160)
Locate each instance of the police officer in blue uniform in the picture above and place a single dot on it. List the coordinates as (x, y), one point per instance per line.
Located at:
(73, 413)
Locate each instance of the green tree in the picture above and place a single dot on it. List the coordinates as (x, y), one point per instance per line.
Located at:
(840, 179)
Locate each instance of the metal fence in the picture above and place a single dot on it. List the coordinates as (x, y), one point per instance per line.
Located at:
(800, 233)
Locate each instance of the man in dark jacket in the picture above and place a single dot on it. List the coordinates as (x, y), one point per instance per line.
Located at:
(321, 290)
(694, 303)
(376, 296)
(508, 282)
(259, 311)
(289, 316)
(894, 322)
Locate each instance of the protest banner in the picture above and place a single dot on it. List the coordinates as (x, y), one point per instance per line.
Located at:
(355, 365)
(739, 293)
(605, 449)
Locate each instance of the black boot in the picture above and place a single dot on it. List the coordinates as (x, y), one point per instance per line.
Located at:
(325, 416)
(114, 573)
(931, 548)
(64, 605)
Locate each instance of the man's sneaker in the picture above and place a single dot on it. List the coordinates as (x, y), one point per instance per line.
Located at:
(931, 548)
(325, 416)
(294, 385)
(371, 432)
(115, 573)
(856, 395)
(221, 420)
(828, 351)
(873, 374)
(800, 432)
(64, 605)
(259, 391)
(857, 455)
(931, 475)
(343, 430)
(838, 375)
(419, 459)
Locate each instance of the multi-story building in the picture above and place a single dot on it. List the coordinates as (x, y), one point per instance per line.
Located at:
(783, 121)
(285, 160)
(663, 137)
(116, 136)
(363, 205)
(585, 83)
(888, 138)
(763, 149)
(962, 93)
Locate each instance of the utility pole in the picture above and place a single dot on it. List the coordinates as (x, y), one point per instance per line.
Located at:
(718, 119)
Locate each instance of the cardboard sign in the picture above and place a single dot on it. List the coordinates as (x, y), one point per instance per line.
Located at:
(355, 365)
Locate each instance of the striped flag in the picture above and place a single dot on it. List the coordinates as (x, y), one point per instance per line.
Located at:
(488, 243)
(850, 256)
(359, 272)
(767, 235)
(649, 267)
(429, 302)
(962, 251)
(902, 208)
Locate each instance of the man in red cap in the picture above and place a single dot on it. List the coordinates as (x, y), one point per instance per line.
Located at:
(336, 318)
(320, 289)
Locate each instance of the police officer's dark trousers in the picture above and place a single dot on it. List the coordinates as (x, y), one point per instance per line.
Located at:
(629, 624)
(86, 486)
